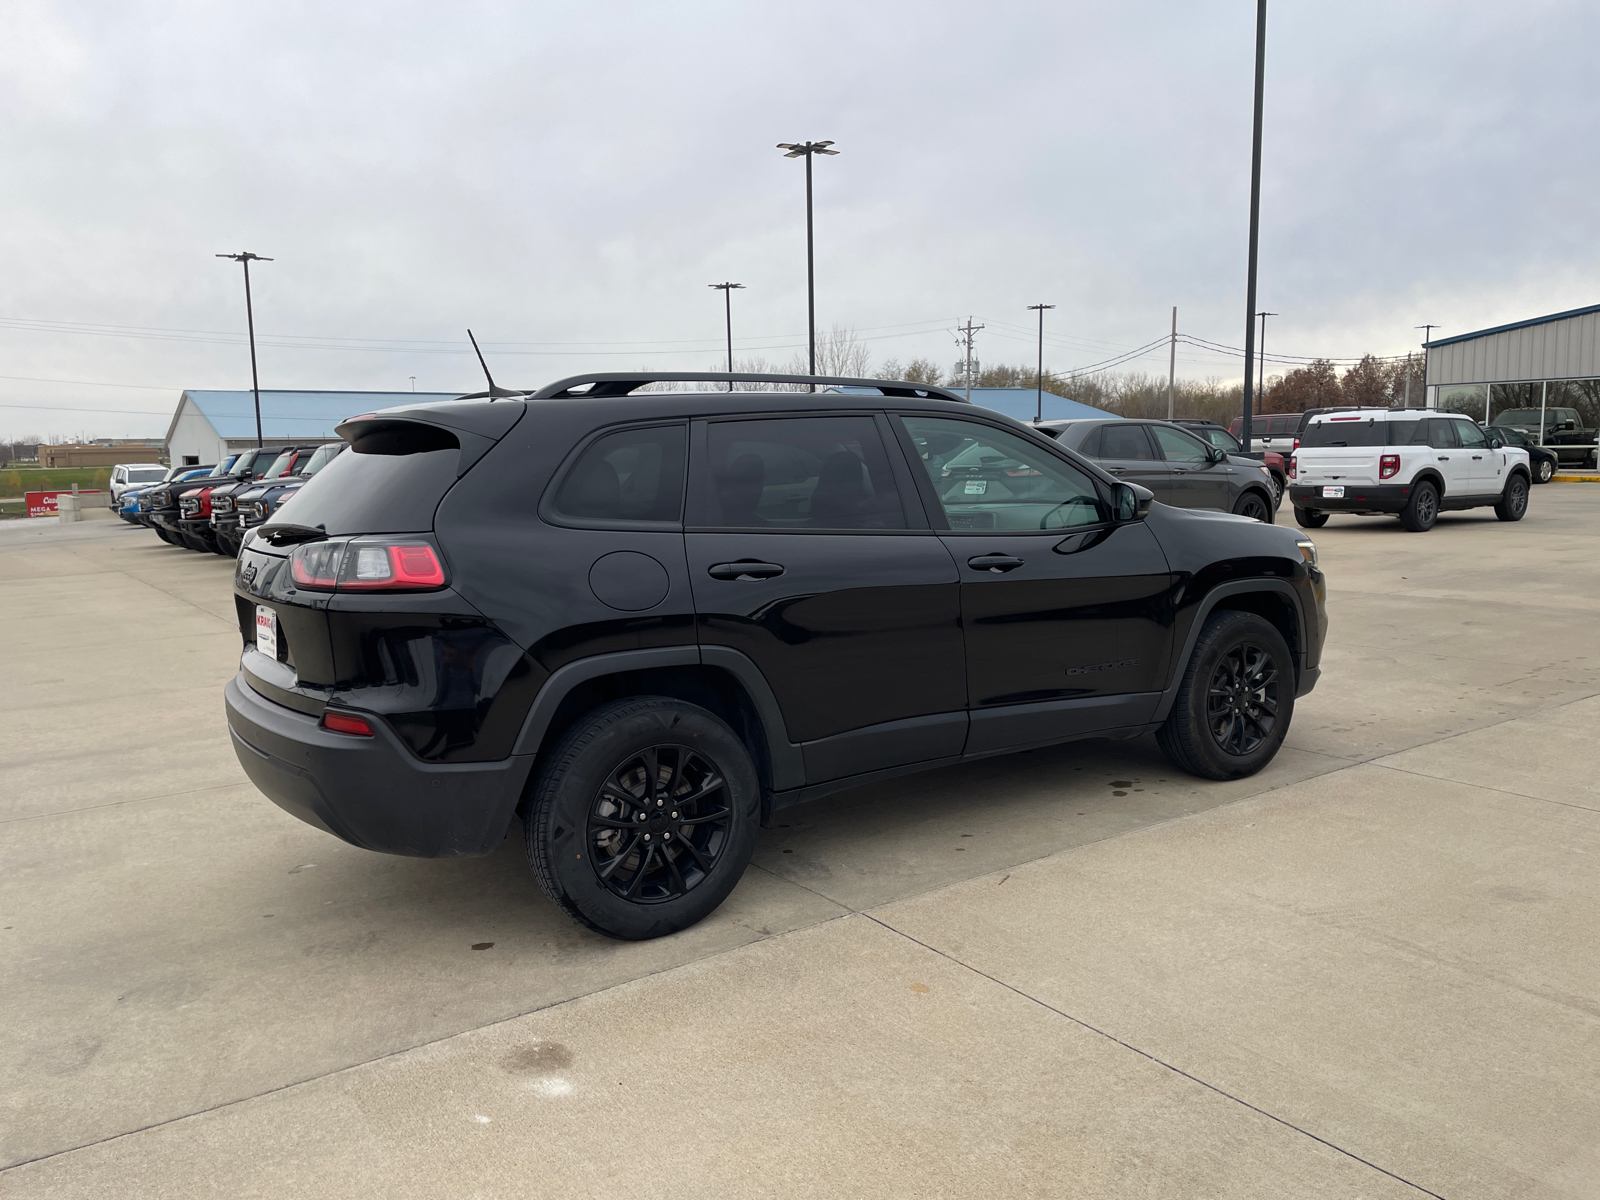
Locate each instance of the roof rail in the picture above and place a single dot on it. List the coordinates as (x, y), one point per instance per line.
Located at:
(621, 383)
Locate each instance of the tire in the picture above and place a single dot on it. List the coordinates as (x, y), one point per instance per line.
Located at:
(1514, 500)
(1254, 505)
(1544, 471)
(1422, 510)
(1310, 518)
(1236, 699)
(1280, 488)
(593, 788)
(164, 535)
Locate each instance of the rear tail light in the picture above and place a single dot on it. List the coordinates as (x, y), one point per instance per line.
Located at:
(1292, 468)
(1296, 446)
(367, 566)
(1388, 466)
(338, 722)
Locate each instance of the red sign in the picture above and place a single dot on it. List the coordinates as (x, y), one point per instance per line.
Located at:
(43, 504)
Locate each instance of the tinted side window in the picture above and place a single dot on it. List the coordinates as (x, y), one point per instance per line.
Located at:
(800, 473)
(633, 476)
(1442, 434)
(1000, 481)
(1178, 447)
(1125, 442)
(1282, 425)
(1471, 436)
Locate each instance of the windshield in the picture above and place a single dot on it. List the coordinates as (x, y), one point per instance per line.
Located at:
(322, 457)
(1360, 431)
(1220, 438)
(279, 465)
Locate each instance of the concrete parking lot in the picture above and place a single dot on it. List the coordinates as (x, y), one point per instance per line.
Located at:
(1369, 971)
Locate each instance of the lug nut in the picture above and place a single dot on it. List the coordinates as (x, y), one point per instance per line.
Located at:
(666, 837)
(647, 837)
(660, 803)
(674, 816)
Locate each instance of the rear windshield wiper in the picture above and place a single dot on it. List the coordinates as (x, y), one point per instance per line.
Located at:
(294, 535)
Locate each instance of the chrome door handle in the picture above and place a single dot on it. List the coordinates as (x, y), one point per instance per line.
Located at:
(745, 570)
(997, 564)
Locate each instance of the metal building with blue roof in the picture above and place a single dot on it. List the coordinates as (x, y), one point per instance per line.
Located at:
(210, 425)
(1022, 403)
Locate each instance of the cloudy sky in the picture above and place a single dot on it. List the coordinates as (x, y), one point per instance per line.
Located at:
(567, 177)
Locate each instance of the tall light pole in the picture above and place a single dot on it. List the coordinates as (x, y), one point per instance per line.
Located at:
(413, 383)
(1261, 380)
(1172, 360)
(806, 150)
(245, 257)
(1427, 336)
(727, 290)
(1255, 225)
(1038, 411)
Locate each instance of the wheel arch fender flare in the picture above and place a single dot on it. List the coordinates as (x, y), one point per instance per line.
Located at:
(1429, 475)
(787, 765)
(1209, 604)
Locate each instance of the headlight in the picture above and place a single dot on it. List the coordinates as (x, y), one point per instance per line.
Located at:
(1308, 551)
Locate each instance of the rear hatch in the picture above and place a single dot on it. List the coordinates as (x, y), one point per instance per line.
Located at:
(400, 465)
(1342, 449)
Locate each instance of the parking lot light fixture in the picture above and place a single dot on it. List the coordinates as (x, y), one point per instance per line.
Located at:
(806, 150)
(727, 306)
(245, 257)
(1038, 412)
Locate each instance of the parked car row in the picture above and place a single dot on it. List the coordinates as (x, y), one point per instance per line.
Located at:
(210, 508)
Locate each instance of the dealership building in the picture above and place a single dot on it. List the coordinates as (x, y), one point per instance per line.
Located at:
(211, 425)
(1543, 363)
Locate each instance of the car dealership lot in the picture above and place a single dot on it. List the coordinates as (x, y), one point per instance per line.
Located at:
(1367, 970)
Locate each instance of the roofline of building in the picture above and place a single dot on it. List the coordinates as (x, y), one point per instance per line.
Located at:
(1467, 337)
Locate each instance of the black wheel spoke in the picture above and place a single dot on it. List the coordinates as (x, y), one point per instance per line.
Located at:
(608, 868)
(658, 870)
(1242, 698)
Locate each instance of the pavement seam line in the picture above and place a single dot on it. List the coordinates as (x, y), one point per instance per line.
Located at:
(181, 599)
(1110, 1037)
(1484, 786)
(423, 1045)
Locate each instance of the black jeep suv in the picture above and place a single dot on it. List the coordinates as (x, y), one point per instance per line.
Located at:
(644, 622)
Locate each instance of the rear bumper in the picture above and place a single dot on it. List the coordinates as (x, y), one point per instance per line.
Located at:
(1384, 498)
(371, 792)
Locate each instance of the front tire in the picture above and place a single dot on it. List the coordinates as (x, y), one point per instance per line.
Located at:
(643, 817)
(1310, 518)
(1422, 510)
(1514, 500)
(1236, 699)
(1253, 505)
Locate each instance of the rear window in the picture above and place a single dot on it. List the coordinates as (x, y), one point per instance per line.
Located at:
(389, 481)
(146, 474)
(1359, 432)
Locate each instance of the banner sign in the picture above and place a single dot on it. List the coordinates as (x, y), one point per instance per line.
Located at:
(43, 504)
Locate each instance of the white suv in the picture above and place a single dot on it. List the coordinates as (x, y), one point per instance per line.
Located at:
(1411, 463)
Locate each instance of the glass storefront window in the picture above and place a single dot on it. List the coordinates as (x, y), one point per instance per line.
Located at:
(1465, 398)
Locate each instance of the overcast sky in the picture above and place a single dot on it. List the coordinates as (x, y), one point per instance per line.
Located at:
(566, 178)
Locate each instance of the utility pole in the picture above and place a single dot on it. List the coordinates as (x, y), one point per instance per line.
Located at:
(964, 338)
(247, 258)
(1255, 225)
(727, 290)
(1172, 361)
(1261, 376)
(806, 150)
(1038, 412)
(1427, 336)
(1407, 402)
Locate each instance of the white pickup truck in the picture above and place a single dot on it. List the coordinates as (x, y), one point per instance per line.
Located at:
(1411, 463)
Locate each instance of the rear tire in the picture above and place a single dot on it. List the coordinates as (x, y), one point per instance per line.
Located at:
(1310, 518)
(1514, 500)
(1254, 505)
(1422, 510)
(1236, 699)
(1546, 471)
(643, 817)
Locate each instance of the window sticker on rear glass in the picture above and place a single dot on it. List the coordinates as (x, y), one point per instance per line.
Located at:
(977, 487)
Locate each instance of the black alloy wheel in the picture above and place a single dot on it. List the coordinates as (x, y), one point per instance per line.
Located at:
(658, 824)
(1422, 510)
(1254, 506)
(642, 819)
(1514, 500)
(1242, 699)
(1235, 700)
(1310, 518)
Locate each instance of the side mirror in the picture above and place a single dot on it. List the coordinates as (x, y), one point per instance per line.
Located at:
(1130, 502)
(1216, 454)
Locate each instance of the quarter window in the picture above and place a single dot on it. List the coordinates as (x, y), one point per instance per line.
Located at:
(633, 476)
(989, 479)
(800, 473)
